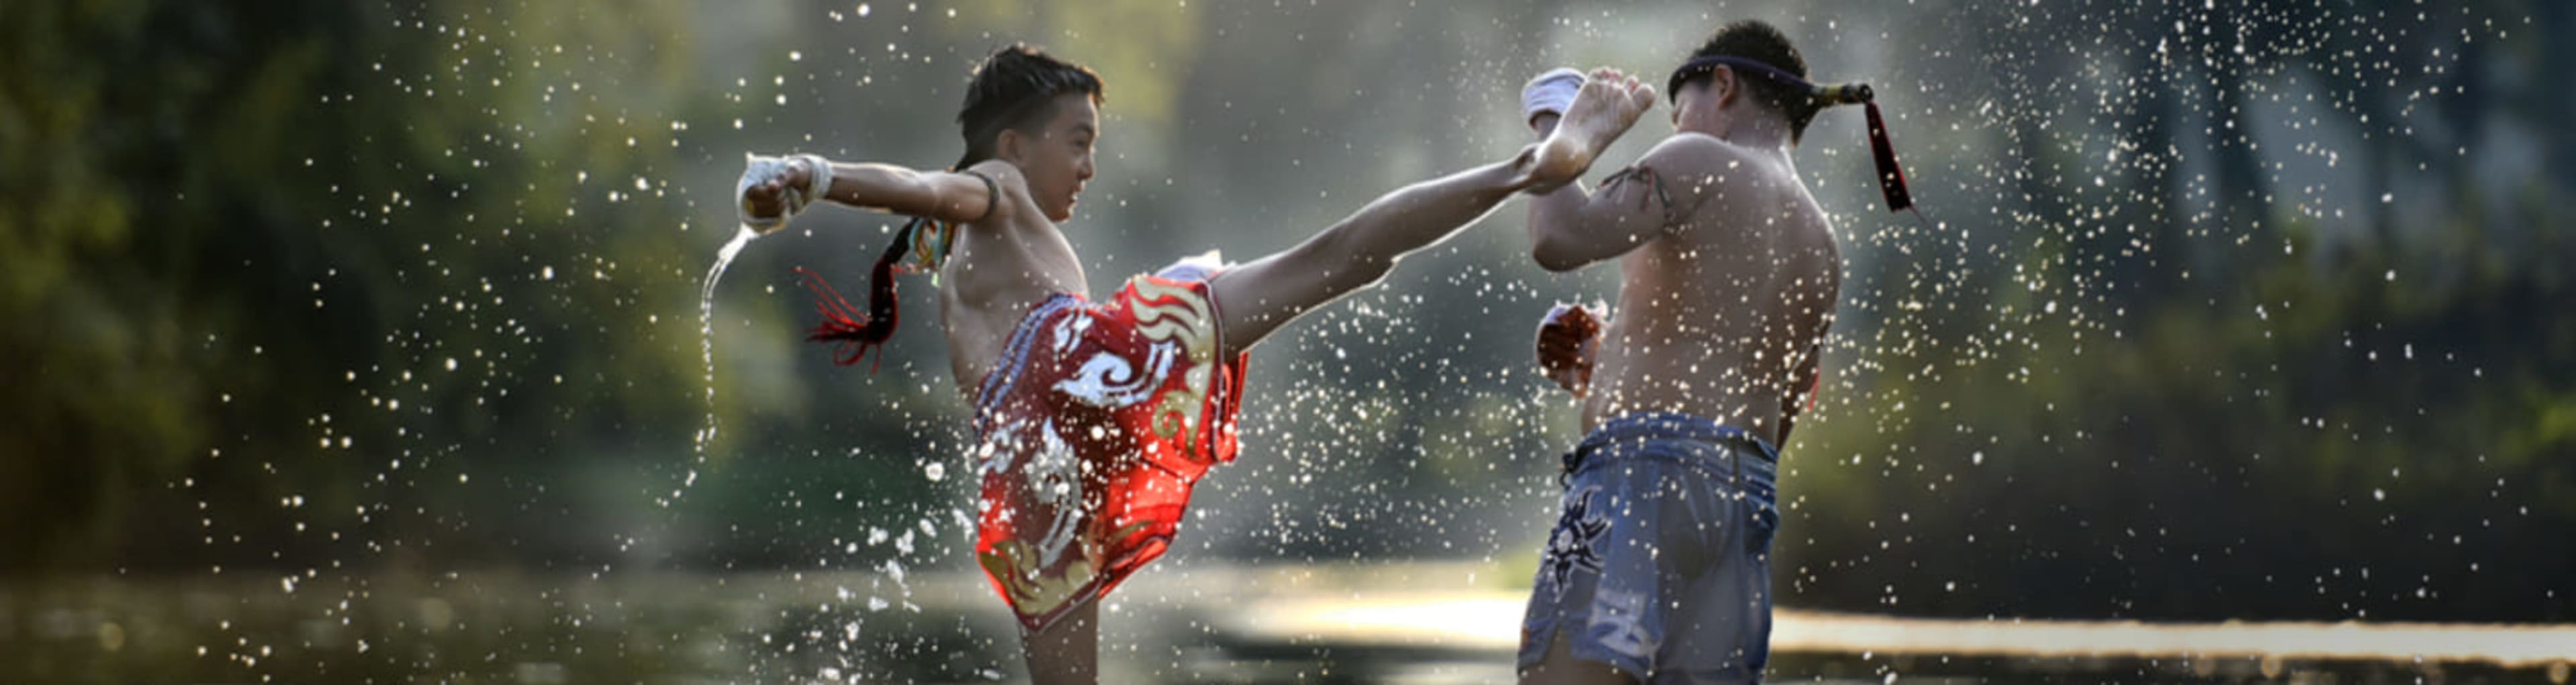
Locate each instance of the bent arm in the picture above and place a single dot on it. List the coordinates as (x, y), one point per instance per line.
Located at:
(1571, 228)
(1259, 297)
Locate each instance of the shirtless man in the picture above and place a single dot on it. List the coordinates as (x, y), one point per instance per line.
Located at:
(1658, 569)
(1094, 418)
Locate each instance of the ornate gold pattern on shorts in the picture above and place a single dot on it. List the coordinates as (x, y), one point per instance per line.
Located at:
(1014, 564)
(1168, 312)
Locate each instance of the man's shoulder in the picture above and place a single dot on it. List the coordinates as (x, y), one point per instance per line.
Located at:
(1720, 181)
(1728, 163)
(1694, 140)
(1696, 149)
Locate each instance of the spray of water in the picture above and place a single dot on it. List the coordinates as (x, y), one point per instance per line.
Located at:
(707, 346)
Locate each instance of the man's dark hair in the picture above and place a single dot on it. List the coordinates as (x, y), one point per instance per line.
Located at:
(1013, 89)
(1760, 42)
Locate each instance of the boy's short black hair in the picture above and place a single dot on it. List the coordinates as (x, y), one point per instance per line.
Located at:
(1761, 42)
(1013, 89)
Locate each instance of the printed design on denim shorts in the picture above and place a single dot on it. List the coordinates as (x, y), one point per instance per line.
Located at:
(1618, 622)
(1573, 545)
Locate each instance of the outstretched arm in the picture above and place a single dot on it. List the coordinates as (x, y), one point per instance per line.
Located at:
(937, 195)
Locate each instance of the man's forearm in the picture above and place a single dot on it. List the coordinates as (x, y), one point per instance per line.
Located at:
(1550, 219)
(1549, 208)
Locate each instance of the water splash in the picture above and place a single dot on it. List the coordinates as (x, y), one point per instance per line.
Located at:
(707, 347)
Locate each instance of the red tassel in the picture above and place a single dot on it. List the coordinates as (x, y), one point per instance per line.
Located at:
(854, 333)
(1891, 178)
(1815, 388)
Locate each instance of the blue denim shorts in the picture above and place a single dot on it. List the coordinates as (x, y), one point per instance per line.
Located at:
(1660, 564)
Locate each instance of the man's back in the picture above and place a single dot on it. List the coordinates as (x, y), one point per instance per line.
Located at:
(1718, 316)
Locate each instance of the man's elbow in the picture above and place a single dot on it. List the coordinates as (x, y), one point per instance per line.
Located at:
(1555, 256)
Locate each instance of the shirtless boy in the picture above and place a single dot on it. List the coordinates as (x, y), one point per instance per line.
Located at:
(1095, 417)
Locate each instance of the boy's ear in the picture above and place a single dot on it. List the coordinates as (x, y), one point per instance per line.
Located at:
(1006, 147)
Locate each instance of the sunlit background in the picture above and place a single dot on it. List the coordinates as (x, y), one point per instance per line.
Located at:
(361, 342)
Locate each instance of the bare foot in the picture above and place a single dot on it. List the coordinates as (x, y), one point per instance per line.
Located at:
(1609, 103)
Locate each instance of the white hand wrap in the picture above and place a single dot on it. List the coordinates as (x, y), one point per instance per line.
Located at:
(759, 170)
(1550, 93)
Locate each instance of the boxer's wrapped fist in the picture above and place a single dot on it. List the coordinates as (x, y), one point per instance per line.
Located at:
(1567, 339)
(1549, 93)
(774, 189)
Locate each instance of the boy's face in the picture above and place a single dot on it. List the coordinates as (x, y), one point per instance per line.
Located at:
(1056, 157)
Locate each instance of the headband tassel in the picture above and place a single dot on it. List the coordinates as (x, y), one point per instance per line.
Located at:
(854, 332)
(1891, 178)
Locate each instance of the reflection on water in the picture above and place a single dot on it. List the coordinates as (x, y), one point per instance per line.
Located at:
(493, 628)
(1832, 644)
(1207, 624)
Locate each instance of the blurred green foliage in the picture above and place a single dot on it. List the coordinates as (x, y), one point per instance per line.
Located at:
(234, 237)
(400, 287)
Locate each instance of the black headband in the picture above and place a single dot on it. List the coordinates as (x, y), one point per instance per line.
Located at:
(1891, 177)
(1826, 95)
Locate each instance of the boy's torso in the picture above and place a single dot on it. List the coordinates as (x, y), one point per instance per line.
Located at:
(1000, 268)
